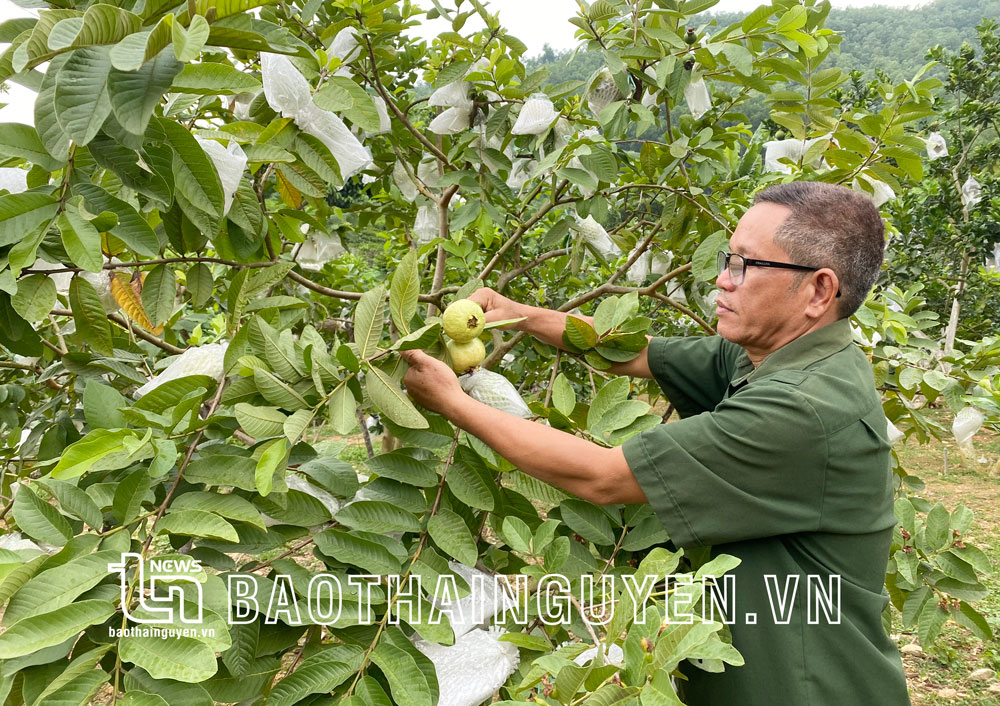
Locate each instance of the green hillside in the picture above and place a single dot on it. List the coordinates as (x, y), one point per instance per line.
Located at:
(894, 40)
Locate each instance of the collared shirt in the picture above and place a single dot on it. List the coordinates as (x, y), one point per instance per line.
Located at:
(787, 467)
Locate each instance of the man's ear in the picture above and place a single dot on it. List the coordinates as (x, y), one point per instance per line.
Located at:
(825, 291)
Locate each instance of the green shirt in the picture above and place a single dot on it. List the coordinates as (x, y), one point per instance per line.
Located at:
(786, 467)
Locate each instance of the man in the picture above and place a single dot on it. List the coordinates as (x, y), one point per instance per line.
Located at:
(780, 458)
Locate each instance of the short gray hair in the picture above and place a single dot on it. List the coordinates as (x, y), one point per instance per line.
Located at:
(835, 227)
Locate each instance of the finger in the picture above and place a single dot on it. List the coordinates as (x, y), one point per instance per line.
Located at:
(415, 357)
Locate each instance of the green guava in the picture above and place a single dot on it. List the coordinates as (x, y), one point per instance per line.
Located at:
(465, 356)
(463, 320)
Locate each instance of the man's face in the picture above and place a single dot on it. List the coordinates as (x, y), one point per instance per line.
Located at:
(765, 311)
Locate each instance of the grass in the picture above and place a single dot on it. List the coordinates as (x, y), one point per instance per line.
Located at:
(940, 674)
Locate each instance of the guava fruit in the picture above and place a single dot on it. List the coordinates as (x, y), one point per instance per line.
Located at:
(463, 320)
(465, 356)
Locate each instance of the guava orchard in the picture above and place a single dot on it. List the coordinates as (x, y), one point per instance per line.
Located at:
(324, 602)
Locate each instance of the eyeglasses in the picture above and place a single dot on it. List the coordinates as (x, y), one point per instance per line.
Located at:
(737, 266)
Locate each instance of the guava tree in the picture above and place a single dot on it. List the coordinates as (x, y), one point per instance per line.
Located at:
(225, 222)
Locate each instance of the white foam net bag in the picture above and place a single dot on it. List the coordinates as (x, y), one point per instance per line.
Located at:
(454, 95)
(791, 149)
(639, 270)
(384, 123)
(594, 234)
(451, 121)
(425, 227)
(403, 181)
(613, 654)
(285, 88)
(972, 192)
(936, 146)
(881, 192)
(487, 597)
(602, 93)
(496, 391)
(13, 180)
(319, 249)
(520, 173)
(428, 172)
(345, 45)
(230, 162)
(967, 423)
(536, 116)
(201, 360)
(697, 98)
(470, 671)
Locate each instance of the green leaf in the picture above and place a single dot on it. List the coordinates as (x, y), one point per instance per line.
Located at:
(39, 520)
(588, 521)
(23, 141)
(563, 396)
(391, 401)
(368, 321)
(169, 393)
(199, 283)
(100, 448)
(407, 682)
(260, 422)
(938, 527)
(580, 333)
(82, 100)
(421, 338)
(403, 292)
(51, 135)
(229, 506)
(277, 392)
(703, 262)
(74, 501)
(611, 393)
(101, 406)
(81, 239)
(38, 632)
(135, 93)
(184, 659)
(358, 551)
(322, 672)
(273, 457)
(377, 516)
(196, 181)
(132, 229)
(100, 24)
(197, 523)
(517, 534)
(343, 410)
(213, 79)
(23, 213)
(136, 49)
(245, 638)
(401, 466)
(449, 531)
(59, 586)
(88, 313)
(188, 42)
(341, 94)
(35, 297)
(129, 495)
(158, 292)
(469, 486)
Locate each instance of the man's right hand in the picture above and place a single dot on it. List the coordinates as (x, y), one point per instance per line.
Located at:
(497, 307)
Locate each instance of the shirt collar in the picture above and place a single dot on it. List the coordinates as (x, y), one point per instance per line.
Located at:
(797, 354)
(807, 349)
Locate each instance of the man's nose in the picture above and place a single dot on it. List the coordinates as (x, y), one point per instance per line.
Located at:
(725, 281)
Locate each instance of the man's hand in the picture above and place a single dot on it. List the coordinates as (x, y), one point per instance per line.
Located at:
(431, 383)
(496, 306)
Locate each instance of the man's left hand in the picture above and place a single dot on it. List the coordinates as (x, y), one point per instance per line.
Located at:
(430, 382)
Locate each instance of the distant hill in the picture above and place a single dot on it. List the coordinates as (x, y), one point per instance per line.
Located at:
(894, 40)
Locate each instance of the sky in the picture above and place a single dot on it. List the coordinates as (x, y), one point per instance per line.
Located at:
(534, 22)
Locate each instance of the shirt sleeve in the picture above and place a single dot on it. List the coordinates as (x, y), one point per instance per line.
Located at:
(754, 467)
(693, 371)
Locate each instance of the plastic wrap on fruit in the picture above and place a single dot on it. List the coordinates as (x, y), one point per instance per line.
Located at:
(487, 597)
(697, 98)
(470, 671)
(200, 360)
(425, 227)
(403, 181)
(230, 162)
(639, 270)
(496, 391)
(13, 180)
(347, 149)
(536, 116)
(285, 88)
(594, 235)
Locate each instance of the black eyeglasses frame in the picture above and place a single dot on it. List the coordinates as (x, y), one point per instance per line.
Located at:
(723, 259)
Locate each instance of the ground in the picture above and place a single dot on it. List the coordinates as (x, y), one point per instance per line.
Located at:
(941, 676)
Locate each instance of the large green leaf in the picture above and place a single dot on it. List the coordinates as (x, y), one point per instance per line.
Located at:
(260, 422)
(403, 292)
(196, 181)
(102, 406)
(39, 520)
(80, 238)
(100, 24)
(343, 410)
(377, 516)
(136, 49)
(588, 521)
(320, 673)
(47, 125)
(400, 465)
(40, 631)
(361, 552)
(184, 659)
(134, 94)
(36, 49)
(22, 213)
(189, 41)
(368, 321)
(88, 312)
(35, 297)
(158, 293)
(23, 141)
(229, 506)
(408, 683)
(210, 78)
(341, 94)
(197, 523)
(132, 229)
(391, 401)
(273, 457)
(449, 531)
(127, 501)
(82, 101)
(59, 586)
